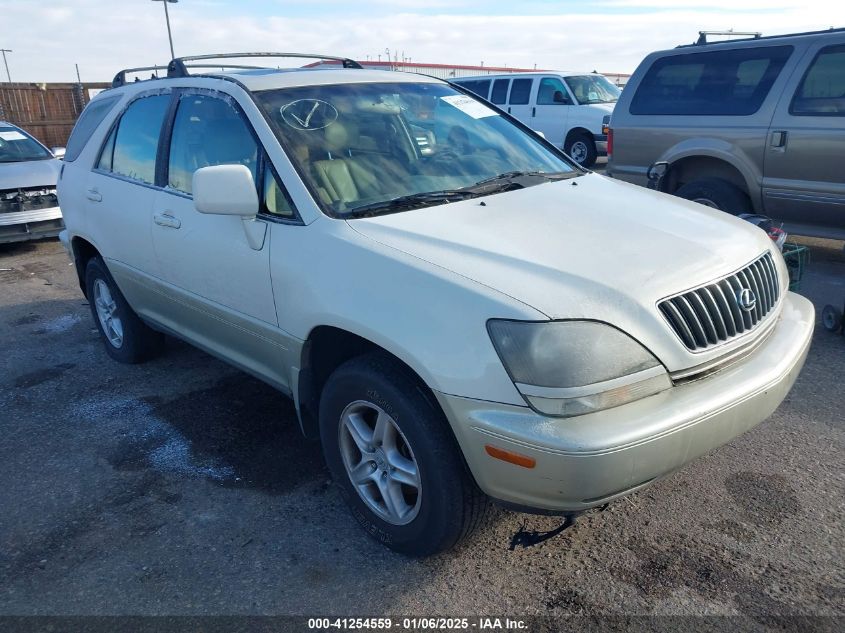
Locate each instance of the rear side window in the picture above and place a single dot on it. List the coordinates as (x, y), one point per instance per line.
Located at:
(89, 120)
(520, 91)
(480, 87)
(131, 148)
(727, 83)
(208, 131)
(500, 91)
(822, 90)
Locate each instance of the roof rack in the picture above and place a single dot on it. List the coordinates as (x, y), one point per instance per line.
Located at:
(178, 68)
(120, 78)
(746, 35)
(702, 36)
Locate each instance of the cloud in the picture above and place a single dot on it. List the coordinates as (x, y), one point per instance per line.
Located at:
(104, 37)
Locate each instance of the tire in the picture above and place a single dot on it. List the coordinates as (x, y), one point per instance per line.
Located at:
(716, 193)
(831, 318)
(443, 505)
(582, 149)
(127, 339)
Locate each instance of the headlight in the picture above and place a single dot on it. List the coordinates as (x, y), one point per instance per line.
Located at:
(567, 368)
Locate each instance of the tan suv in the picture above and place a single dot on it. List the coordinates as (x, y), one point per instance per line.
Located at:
(747, 125)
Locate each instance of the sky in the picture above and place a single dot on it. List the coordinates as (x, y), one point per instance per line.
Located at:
(48, 37)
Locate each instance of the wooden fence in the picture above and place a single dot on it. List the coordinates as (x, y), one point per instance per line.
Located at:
(47, 111)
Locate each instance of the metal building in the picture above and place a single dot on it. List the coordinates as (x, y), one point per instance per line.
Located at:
(451, 71)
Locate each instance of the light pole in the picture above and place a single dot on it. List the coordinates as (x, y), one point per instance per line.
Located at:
(7, 50)
(167, 18)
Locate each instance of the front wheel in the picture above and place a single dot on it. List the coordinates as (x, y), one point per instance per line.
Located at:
(392, 455)
(582, 149)
(717, 194)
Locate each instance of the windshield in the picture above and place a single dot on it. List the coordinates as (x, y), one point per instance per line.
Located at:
(593, 89)
(17, 146)
(372, 148)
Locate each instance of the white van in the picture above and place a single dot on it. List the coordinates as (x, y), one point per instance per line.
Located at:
(572, 109)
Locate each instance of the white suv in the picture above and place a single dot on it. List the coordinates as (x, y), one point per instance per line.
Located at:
(453, 306)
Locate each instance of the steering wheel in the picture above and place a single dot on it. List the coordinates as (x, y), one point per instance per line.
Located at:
(445, 154)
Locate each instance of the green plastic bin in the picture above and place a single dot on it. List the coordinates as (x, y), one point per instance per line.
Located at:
(797, 257)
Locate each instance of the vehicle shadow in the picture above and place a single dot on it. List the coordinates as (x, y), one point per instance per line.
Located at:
(29, 246)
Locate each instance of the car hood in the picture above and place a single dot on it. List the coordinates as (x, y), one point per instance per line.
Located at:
(604, 107)
(588, 248)
(32, 173)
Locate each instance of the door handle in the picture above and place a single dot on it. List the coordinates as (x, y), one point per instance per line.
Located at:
(533, 111)
(778, 140)
(165, 219)
(93, 195)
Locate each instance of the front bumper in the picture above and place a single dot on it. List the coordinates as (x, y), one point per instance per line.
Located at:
(30, 225)
(586, 461)
(601, 144)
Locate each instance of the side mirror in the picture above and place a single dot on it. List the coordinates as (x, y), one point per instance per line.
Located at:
(655, 173)
(225, 190)
(58, 152)
(559, 97)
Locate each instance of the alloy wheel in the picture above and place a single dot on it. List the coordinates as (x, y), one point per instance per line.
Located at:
(106, 308)
(380, 462)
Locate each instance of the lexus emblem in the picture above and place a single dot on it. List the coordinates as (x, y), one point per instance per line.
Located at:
(746, 299)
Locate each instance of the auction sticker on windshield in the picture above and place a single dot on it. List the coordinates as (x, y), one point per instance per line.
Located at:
(470, 106)
(12, 136)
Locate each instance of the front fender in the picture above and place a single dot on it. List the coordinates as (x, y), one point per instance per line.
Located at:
(432, 319)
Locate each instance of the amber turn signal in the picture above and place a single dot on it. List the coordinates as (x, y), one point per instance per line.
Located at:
(512, 458)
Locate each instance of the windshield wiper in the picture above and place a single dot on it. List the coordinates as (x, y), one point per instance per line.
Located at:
(487, 186)
(423, 199)
(518, 178)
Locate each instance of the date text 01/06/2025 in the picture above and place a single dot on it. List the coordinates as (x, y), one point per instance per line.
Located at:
(419, 624)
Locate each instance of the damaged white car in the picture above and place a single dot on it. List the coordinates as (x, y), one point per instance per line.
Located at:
(29, 208)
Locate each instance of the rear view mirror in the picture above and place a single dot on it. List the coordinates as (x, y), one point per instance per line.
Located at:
(225, 190)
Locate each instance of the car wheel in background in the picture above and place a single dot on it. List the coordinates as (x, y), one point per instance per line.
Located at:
(831, 318)
(582, 149)
(392, 454)
(716, 193)
(127, 339)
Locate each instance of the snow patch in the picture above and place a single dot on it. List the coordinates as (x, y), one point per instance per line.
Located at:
(170, 451)
(61, 324)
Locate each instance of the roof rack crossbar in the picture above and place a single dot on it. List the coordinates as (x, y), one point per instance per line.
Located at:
(225, 65)
(745, 35)
(120, 78)
(178, 68)
(751, 36)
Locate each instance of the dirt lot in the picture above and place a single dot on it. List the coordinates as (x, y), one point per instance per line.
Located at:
(182, 486)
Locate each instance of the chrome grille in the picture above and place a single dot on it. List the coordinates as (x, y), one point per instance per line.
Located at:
(712, 314)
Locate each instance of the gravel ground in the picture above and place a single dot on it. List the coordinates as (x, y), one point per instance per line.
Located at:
(182, 486)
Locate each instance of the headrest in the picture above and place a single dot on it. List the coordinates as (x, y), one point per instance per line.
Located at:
(340, 136)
